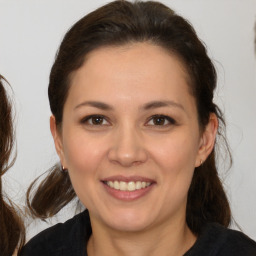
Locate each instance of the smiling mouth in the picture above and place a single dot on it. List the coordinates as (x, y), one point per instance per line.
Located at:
(127, 186)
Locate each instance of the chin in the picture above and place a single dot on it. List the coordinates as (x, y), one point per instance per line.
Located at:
(128, 226)
(129, 222)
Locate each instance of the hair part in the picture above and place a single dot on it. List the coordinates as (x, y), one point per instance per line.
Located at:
(120, 23)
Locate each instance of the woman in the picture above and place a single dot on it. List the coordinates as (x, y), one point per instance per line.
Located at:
(134, 125)
(12, 234)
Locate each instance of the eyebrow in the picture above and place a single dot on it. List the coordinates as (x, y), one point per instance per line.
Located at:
(147, 106)
(159, 104)
(95, 104)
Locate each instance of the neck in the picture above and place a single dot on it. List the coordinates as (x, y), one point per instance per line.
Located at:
(174, 239)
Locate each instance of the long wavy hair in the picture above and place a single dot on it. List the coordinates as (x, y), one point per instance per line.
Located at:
(120, 23)
(12, 234)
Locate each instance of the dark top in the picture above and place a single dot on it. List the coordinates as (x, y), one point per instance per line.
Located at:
(70, 238)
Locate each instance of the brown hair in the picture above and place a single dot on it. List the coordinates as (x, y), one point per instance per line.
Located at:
(119, 23)
(12, 234)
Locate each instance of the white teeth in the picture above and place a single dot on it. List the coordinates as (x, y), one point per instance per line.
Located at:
(138, 185)
(116, 185)
(127, 186)
(123, 186)
(131, 186)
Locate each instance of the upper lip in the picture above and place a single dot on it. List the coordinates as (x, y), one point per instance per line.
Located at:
(128, 178)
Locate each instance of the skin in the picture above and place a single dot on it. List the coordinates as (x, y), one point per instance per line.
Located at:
(130, 141)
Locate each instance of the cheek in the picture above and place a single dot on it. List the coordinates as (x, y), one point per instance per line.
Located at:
(83, 160)
(176, 152)
(81, 154)
(176, 157)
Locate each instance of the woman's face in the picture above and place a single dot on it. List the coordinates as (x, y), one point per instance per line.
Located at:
(130, 137)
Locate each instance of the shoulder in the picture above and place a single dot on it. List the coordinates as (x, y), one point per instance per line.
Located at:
(218, 240)
(61, 239)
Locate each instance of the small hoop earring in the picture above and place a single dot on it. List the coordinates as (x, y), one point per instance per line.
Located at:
(201, 162)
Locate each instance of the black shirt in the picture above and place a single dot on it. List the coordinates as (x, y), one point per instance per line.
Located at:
(71, 237)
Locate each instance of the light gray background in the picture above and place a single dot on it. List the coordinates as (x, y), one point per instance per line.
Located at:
(30, 33)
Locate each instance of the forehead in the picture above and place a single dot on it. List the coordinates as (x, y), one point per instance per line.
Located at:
(133, 70)
(144, 53)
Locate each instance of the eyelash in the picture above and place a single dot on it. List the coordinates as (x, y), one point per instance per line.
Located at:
(87, 118)
(103, 119)
(165, 118)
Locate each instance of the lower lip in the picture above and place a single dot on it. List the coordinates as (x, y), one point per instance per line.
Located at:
(128, 195)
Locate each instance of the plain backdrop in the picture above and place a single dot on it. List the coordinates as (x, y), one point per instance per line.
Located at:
(30, 33)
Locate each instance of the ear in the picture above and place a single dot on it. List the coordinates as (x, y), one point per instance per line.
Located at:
(57, 140)
(207, 140)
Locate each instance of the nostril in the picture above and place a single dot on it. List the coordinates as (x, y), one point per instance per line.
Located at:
(127, 159)
(127, 148)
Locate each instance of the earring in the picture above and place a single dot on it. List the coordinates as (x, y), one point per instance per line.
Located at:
(201, 161)
(64, 169)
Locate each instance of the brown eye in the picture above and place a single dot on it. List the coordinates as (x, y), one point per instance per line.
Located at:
(97, 120)
(161, 120)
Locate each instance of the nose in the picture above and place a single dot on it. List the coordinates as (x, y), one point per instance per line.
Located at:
(127, 147)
